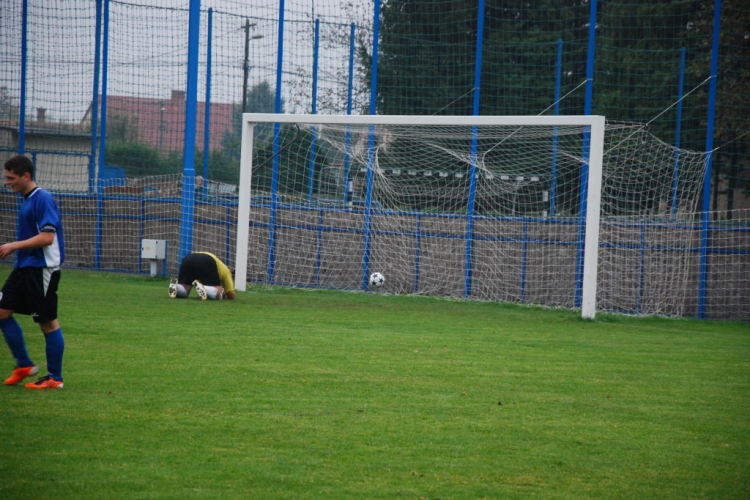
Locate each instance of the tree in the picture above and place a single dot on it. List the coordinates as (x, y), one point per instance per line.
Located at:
(732, 117)
(637, 66)
(8, 111)
(122, 128)
(427, 55)
(137, 159)
(260, 99)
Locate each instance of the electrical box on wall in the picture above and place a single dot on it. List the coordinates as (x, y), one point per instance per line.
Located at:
(154, 249)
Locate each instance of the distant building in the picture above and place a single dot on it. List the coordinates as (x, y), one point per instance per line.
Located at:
(61, 153)
(160, 123)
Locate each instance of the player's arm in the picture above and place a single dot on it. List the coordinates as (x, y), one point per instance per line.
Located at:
(42, 239)
(225, 275)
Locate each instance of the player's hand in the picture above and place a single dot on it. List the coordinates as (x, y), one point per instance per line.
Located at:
(6, 250)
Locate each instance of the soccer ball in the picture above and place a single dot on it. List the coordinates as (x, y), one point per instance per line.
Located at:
(377, 280)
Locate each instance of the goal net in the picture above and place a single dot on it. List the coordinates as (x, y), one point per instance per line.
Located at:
(486, 208)
(651, 232)
(496, 208)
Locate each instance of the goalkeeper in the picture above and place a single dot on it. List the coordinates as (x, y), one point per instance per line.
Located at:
(205, 272)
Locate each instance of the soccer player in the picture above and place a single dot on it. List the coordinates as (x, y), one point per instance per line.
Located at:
(205, 272)
(31, 287)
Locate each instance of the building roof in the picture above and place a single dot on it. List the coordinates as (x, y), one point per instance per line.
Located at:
(47, 131)
(160, 123)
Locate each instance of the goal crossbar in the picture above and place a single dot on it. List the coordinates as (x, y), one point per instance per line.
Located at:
(580, 120)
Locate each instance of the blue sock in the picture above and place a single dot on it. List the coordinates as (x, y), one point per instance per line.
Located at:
(55, 349)
(14, 338)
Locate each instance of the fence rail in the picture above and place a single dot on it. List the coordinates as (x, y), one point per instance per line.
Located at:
(105, 233)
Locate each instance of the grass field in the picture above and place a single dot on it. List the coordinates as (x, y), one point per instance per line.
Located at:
(289, 393)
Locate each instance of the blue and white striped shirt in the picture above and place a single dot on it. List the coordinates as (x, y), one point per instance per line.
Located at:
(39, 214)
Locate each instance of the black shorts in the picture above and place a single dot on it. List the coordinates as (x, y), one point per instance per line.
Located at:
(201, 267)
(32, 291)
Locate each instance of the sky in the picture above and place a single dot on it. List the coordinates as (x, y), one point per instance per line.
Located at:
(148, 50)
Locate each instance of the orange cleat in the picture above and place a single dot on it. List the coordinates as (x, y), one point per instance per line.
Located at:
(46, 382)
(21, 373)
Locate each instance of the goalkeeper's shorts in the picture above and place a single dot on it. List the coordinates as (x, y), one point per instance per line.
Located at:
(201, 267)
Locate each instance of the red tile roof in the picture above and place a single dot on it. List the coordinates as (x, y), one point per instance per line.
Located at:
(160, 123)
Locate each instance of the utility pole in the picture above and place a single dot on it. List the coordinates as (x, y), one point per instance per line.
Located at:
(246, 64)
(162, 125)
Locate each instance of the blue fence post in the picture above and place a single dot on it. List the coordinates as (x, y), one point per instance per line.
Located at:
(316, 47)
(95, 97)
(641, 267)
(473, 161)
(319, 246)
(586, 149)
(417, 251)
(24, 62)
(678, 128)
(705, 219)
(276, 130)
(188, 166)
(524, 259)
(371, 146)
(207, 107)
(228, 235)
(558, 85)
(311, 177)
(102, 141)
(349, 90)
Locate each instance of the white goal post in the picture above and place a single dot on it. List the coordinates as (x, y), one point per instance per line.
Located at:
(588, 131)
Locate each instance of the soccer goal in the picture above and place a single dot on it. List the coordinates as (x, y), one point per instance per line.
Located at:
(501, 208)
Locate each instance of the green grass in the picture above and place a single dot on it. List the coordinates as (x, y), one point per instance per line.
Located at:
(289, 393)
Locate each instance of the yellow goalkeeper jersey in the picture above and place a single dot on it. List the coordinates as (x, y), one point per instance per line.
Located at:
(224, 274)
